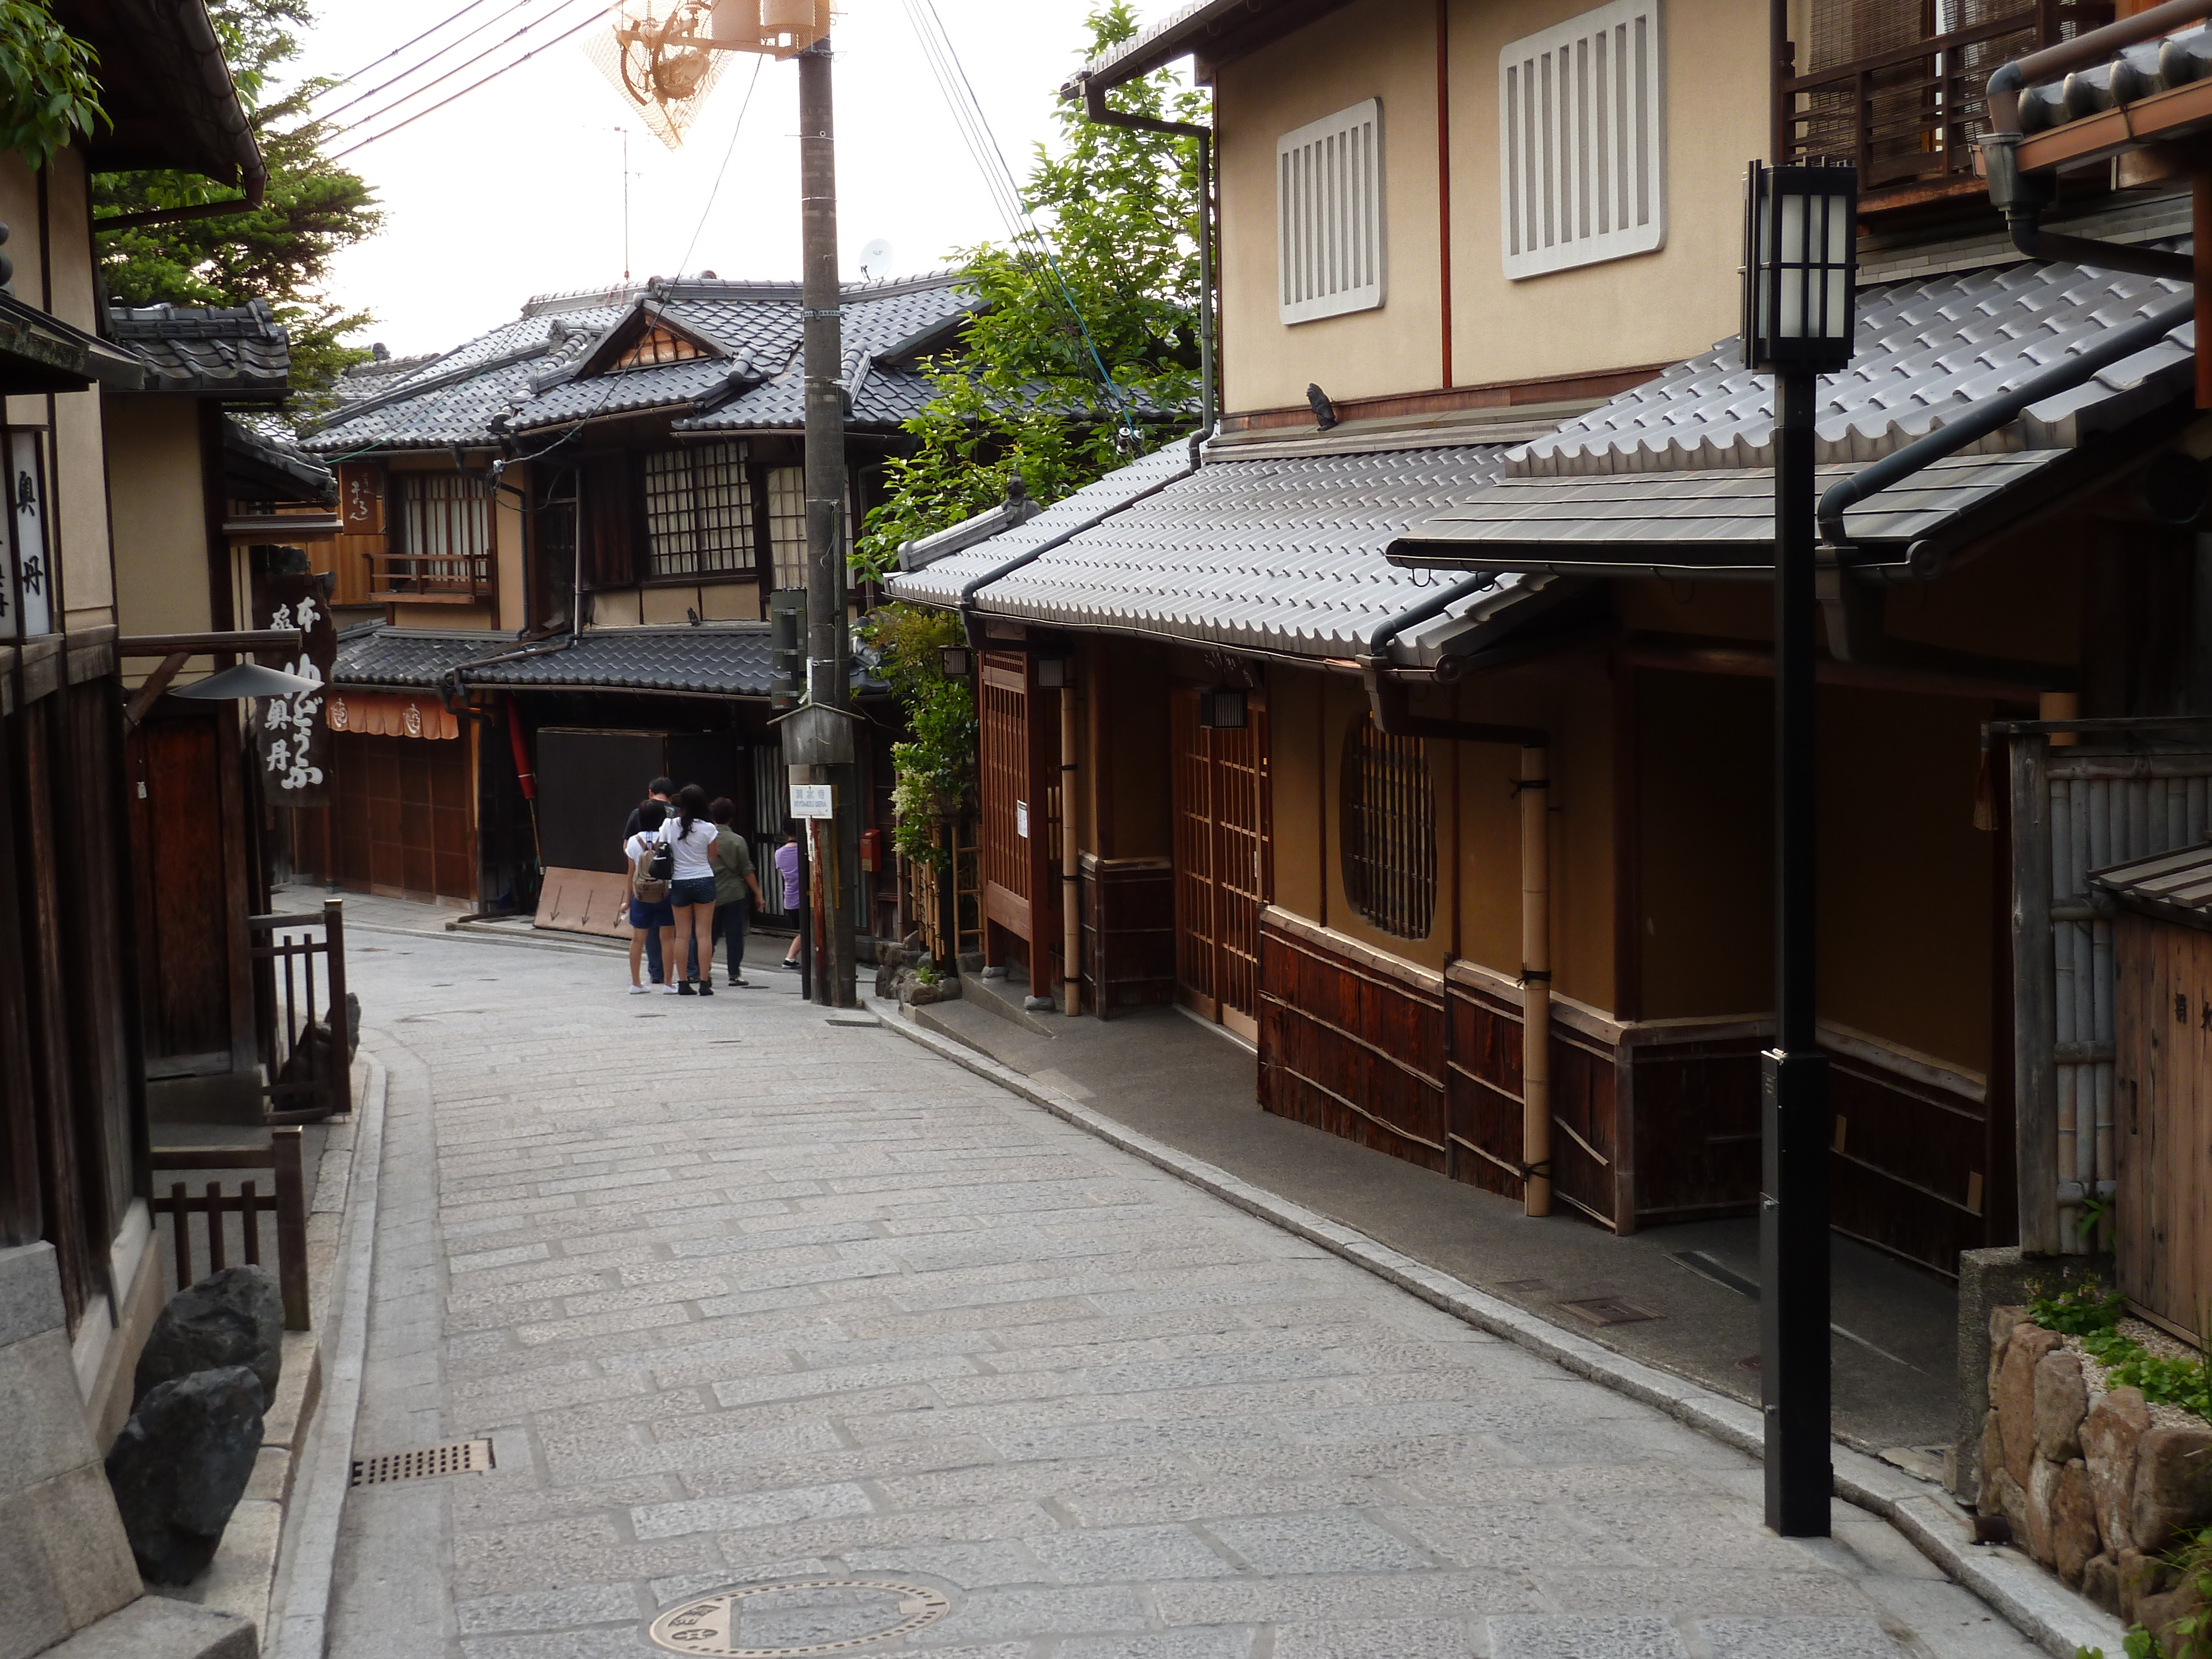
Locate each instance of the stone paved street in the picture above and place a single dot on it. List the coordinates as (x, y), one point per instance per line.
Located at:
(743, 1293)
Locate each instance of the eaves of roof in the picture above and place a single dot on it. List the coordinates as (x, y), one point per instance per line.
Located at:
(1216, 30)
(166, 88)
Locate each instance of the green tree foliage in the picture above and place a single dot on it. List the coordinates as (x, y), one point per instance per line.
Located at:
(48, 94)
(1023, 399)
(279, 252)
(936, 765)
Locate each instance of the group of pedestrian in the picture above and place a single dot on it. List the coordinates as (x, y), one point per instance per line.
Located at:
(692, 885)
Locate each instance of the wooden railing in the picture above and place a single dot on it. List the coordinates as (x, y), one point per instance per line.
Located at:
(440, 577)
(1908, 117)
(287, 1202)
(305, 1026)
(943, 895)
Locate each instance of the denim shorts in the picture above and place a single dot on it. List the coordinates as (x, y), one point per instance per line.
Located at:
(699, 890)
(642, 914)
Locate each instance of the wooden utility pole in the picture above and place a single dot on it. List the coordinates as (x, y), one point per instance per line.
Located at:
(828, 648)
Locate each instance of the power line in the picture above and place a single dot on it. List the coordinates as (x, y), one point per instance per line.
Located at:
(358, 122)
(693, 244)
(444, 23)
(424, 63)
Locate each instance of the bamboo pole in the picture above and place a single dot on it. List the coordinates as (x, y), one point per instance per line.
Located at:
(1071, 921)
(1536, 981)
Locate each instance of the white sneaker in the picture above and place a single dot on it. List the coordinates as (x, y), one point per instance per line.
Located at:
(669, 990)
(637, 990)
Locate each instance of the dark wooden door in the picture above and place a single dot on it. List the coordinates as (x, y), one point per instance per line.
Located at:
(1020, 747)
(176, 837)
(406, 826)
(1224, 859)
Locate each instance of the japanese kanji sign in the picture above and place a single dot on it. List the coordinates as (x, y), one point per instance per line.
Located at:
(26, 582)
(289, 735)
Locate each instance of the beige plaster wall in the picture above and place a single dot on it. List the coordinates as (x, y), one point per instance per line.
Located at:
(1643, 309)
(159, 522)
(1370, 49)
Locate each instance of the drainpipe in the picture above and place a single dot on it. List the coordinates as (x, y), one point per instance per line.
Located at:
(1983, 418)
(1094, 109)
(1071, 889)
(2022, 200)
(1387, 700)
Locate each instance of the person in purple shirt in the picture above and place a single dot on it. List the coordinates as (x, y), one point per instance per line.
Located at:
(787, 866)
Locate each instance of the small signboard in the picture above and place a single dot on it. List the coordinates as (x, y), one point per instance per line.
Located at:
(812, 800)
(290, 735)
(1022, 819)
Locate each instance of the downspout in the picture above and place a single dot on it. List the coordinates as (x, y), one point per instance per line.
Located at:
(1387, 700)
(1071, 885)
(1094, 109)
(1983, 418)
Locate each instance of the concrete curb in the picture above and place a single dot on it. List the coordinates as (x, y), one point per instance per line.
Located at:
(2028, 1599)
(299, 1605)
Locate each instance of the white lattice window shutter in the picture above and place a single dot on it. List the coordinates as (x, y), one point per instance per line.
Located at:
(1329, 215)
(1582, 140)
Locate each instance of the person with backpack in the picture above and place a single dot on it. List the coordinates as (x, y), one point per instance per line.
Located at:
(733, 884)
(689, 834)
(660, 793)
(651, 915)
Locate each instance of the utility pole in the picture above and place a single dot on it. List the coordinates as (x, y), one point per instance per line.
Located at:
(828, 648)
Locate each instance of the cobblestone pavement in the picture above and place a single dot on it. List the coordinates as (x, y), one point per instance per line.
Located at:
(743, 1293)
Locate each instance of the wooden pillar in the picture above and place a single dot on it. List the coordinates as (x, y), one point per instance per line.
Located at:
(2200, 199)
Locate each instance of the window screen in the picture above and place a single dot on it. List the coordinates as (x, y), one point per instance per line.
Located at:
(445, 530)
(1329, 215)
(786, 525)
(1389, 831)
(699, 512)
(1582, 140)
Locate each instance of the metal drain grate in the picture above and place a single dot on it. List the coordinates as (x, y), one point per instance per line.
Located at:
(424, 1463)
(1608, 1310)
(801, 1616)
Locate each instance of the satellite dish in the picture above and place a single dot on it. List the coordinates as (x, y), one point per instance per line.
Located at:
(876, 258)
(655, 55)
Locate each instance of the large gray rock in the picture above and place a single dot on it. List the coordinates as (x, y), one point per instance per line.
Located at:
(2115, 1424)
(2012, 1396)
(180, 1467)
(2173, 1487)
(234, 1317)
(2062, 1399)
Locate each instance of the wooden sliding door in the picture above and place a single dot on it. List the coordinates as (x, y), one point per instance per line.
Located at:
(1223, 862)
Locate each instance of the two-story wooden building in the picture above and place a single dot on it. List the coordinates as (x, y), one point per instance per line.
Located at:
(562, 545)
(1490, 512)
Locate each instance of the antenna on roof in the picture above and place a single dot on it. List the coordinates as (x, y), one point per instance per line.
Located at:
(876, 258)
(658, 57)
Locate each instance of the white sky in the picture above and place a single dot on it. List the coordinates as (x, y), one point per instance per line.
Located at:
(516, 189)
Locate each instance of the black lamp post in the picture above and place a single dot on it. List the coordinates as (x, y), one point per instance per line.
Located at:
(1800, 240)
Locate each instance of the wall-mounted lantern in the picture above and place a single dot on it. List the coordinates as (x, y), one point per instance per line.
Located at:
(955, 662)
(1054, 673)
(1223, 709)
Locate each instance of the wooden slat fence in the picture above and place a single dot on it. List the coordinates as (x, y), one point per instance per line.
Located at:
(285, 1199)
(306, 1029)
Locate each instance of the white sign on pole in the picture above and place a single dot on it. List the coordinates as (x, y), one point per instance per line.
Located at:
(811, 801)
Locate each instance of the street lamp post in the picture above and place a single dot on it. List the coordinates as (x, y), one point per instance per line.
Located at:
(1799, 235)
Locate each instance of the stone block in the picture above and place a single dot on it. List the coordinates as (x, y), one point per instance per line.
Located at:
(2014, 1398)
(32, 1612)
(234, 1317)
(2062, 1401)
(2100, 1582)
(1989, 1280)
(86, 1549)
(2073, 1538)
(155, 1627)
(30, 1293)
(180, 1465)
(2137, 1576)
(2002, 1322)
(2042, 1497)
(1992, 1465)
(2157, 1614)
(2109, 1434)
(43, 1411)
(2173, 1486)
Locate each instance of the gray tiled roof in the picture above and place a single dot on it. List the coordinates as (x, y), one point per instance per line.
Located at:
(241, 351)
(720, 658)
(409, 658)
(522, 377)
(1258, 552)
(1927, 351)
(2152, 66)
(1705, 518)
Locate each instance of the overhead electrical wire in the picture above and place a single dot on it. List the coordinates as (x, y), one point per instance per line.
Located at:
(1026, 238)
(447, 22)
(424, 62)
(482, 81)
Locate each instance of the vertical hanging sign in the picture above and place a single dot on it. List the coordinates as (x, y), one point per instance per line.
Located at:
(26, 607)
(289, 735)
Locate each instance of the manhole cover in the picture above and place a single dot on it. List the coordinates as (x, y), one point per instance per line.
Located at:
(799, 1616)
(1607, 1311)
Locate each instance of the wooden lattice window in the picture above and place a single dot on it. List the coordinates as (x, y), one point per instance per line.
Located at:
(786, 526)
(443, 543)
(1389, 831)
(699, 512)
(657, 346)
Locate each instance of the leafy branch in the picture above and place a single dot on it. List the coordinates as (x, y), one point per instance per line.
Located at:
(48, 95)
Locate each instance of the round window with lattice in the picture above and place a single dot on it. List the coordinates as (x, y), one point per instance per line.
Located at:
(1389, 831)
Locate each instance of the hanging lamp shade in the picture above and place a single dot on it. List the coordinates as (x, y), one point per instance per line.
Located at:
(248, 679)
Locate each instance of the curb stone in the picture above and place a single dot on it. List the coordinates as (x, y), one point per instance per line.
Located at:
(300, 1602)
(2013, 1586)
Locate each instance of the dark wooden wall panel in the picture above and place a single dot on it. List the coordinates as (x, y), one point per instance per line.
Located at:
(1906, 1174)
(1696, 1129)
(177, 831)
(1487, 1111)
(1128, 934)
(404, 824)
